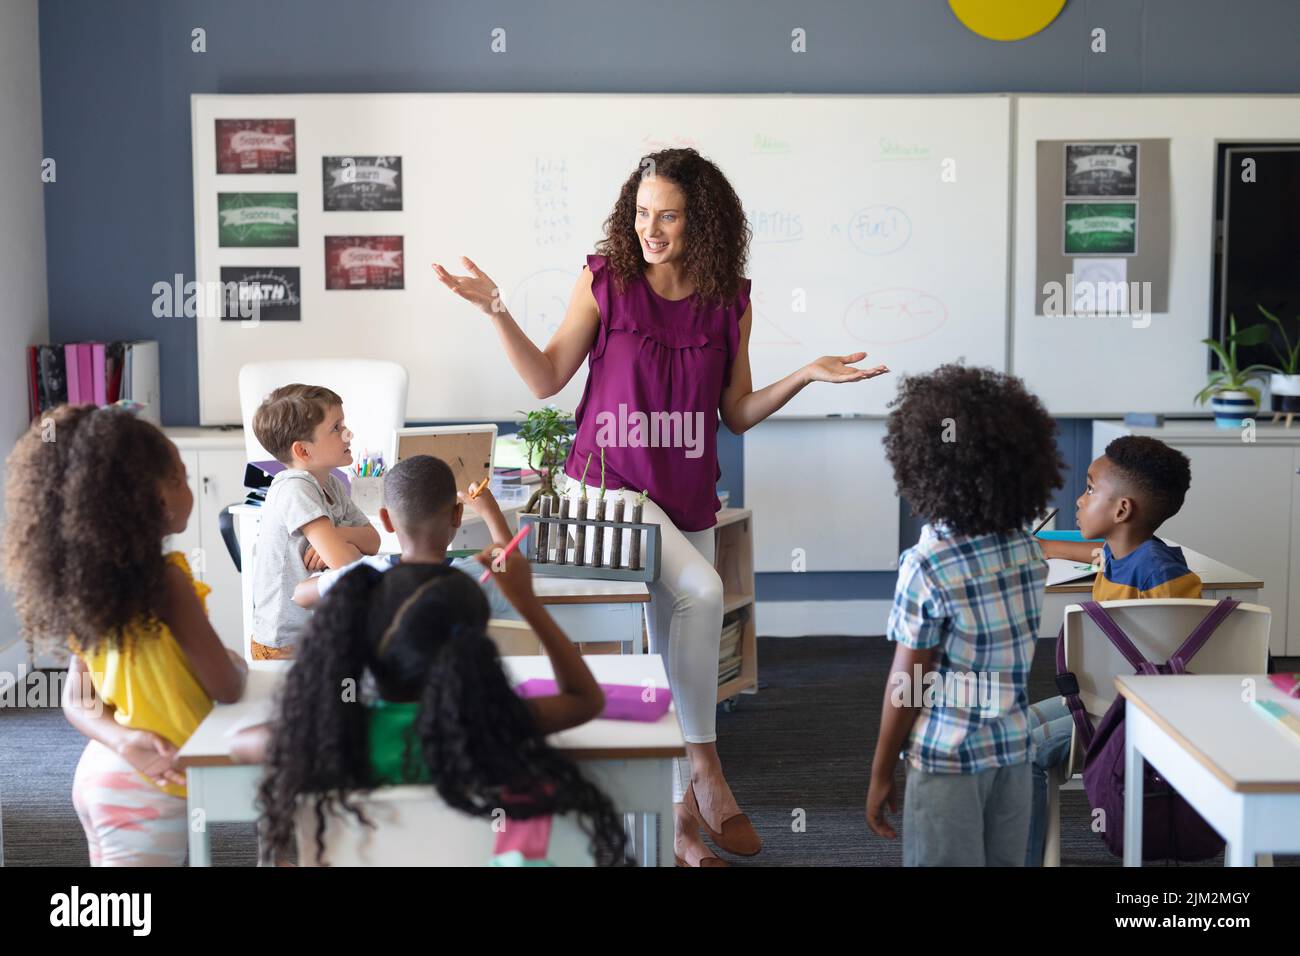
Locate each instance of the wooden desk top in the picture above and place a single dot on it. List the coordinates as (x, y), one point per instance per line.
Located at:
(1205, 716)
(1214, 575)
(595, 740)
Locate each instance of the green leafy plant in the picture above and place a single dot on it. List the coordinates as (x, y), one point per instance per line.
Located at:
(1228, 377)
(548, 435)
(1288, 361)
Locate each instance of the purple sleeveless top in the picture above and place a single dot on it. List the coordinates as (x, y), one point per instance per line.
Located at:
(655, 378)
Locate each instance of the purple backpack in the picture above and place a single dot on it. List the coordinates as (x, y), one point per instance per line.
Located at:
(1171, 829)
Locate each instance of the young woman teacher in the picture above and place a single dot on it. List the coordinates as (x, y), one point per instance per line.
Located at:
(662, 317)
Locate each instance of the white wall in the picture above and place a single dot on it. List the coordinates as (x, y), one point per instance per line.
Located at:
(24, 315)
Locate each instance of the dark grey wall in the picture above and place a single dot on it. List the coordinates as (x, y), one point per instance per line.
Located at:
(116, 77)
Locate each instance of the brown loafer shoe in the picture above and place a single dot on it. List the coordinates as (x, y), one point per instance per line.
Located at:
(738, 835)
(704, 861)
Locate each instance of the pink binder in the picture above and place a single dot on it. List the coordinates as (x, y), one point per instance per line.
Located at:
(622, 701)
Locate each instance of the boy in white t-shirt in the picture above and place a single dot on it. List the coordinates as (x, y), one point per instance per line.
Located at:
(308, 522)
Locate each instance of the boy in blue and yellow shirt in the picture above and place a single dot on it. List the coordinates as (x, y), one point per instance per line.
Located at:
(1132, 489)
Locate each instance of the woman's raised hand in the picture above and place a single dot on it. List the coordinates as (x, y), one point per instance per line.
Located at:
(475, 288)
(839, 368)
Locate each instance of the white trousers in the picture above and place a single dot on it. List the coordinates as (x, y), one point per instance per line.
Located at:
(684, 617)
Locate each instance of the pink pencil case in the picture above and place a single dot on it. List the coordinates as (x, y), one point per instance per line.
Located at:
(622, 701)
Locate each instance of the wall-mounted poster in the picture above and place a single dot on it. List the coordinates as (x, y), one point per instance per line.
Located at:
(1101, 169)
(268, 293)
(1100, 228)
(362, 183)
(256, 146)
(257, 219)
(363, 262)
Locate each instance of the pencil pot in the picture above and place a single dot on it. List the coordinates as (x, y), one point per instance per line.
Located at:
(368, 494)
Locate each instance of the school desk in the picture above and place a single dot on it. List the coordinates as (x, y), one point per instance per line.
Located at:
(631, 761)
(1236, 768)
(588, 611)
(1217, 581)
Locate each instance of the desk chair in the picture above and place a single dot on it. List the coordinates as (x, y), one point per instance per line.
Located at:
(513, 638)
(1156, 627)
(413, 827)
(374, 402)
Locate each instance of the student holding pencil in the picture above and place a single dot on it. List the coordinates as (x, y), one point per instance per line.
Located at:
(662, 317)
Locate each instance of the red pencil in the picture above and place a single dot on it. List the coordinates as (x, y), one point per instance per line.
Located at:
(505, 552)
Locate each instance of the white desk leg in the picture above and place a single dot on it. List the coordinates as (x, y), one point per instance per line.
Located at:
(1132, 797)
(1239, 853)
(667, 824)
(197, 824)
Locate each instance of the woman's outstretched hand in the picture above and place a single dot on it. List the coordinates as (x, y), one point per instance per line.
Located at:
(475, 288)
(839, 368)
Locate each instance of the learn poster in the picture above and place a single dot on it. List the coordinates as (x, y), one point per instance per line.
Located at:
(361, 183)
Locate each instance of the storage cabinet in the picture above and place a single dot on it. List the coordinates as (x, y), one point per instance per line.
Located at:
(733, 557)
(215, 462)
(1243, 507)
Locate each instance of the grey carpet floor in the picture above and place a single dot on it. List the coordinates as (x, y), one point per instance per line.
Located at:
(798, 751)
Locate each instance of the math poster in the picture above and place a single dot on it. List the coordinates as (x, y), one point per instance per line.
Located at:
(362, 183)
(363, 262)
(256, 220)
(261, 293)
(1101, 169)
(256, 146)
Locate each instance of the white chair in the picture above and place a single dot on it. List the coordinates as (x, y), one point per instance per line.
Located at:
(413, 827)
(373, 393)
(1157, 627)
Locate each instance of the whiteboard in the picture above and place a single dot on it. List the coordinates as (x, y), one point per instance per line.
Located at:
(860, 240)
(1106, 366)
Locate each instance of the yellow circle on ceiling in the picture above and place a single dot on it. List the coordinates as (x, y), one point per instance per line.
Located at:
(1006, 19)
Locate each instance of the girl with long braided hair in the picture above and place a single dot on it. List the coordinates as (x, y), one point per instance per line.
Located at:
(397, 682)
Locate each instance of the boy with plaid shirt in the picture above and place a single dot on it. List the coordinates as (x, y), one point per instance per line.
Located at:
(975, 454)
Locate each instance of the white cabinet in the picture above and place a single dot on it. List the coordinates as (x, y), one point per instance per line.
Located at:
(215, 461)
(1243, 507)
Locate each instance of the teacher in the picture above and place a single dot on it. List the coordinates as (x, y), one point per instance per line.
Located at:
(662, 317)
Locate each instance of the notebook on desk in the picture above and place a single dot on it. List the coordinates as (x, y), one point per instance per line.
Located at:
(1062, 571)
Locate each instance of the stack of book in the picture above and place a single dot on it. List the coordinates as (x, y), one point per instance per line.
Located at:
(729, 648)
(99, 373)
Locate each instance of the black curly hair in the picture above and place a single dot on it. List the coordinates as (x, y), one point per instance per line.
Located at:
(419, 630)
(82, 551)
(972, 448)
(717, 232)
(1160, 474)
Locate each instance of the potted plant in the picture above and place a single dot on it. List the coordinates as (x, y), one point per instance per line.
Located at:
(1231, 395)
(548, 435)
(1284, 383)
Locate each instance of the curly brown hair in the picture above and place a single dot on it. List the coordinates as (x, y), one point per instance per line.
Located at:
(82, 544)
(717, 232)
(972, 448)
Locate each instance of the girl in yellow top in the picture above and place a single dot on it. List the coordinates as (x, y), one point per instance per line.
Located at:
(91, 494)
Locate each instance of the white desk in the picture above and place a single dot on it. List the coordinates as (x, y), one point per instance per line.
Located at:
(1239, 771)
(1217, 582)
(588, 611)
(629, 760)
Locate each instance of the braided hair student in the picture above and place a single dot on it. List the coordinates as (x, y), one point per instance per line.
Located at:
(431, 705)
